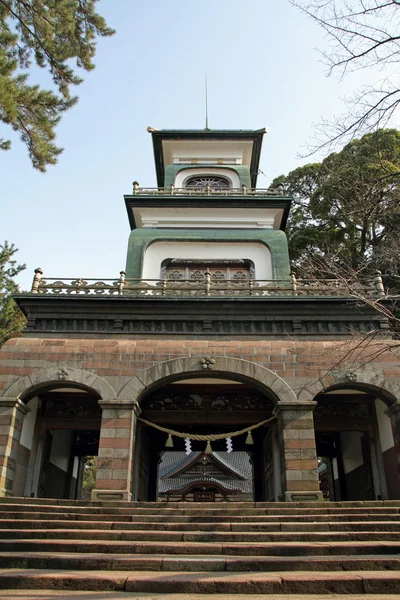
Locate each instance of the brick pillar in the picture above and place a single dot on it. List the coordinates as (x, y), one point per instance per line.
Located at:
(394, 413)
(12, 412)
(116, 447)
(298, 453)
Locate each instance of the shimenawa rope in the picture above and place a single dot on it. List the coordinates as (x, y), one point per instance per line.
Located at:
(205, 438)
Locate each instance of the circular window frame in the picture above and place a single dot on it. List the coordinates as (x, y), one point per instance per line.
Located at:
(207, 178)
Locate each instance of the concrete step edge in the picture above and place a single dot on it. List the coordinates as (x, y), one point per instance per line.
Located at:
(322, 582)
(227, 563)
(87, 595)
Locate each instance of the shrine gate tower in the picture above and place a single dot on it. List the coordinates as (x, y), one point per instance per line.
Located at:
(205, 334)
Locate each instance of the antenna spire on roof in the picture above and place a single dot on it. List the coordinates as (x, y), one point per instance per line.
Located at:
(207, 127)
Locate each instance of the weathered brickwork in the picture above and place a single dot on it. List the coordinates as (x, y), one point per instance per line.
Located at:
(295, 361)
(121, 370)
(11, 417)
(116, 449)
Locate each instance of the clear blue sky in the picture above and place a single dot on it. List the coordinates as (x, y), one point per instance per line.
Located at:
(263, 71)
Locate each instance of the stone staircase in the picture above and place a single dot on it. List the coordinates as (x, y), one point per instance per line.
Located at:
(134, 550)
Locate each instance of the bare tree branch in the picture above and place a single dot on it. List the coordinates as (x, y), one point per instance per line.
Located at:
(363, 34)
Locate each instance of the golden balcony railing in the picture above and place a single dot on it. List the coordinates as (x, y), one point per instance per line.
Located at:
(205, 287)
(205, 191)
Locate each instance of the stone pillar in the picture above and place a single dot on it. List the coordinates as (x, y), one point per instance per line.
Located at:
(12, 412)
(299, 474)
(116, 448)
(394, 413)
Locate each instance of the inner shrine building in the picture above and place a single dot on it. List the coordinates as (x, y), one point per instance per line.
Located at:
(205, 370)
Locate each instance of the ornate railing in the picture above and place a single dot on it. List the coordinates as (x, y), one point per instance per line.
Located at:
(206, 287)
(205, 191)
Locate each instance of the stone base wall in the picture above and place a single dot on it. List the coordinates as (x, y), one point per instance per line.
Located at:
(120, 370)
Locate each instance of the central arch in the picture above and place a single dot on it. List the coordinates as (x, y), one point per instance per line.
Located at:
(216, 366)
(206, 395)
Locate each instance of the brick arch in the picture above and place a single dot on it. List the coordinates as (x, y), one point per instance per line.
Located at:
(27, 385)
(366, 381)
(180, 368)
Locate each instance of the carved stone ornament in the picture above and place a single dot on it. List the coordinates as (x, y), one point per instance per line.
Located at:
(207, 362)
(62, 373)
(64, 408)
(351, 376)
(342, 411)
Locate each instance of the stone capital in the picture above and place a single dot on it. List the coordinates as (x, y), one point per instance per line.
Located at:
(121, 404)
(15, 403)
(300, 406)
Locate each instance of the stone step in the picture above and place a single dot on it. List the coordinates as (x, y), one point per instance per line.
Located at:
(87, 595)
(156, 518)
(33, 504)
(146, 562)
(249, 527)
(198, 536)
(201, 517)
(208, 549)
(288, 548)
(178, 582)
(166, 505)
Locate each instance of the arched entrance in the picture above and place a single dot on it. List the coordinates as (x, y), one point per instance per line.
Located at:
(206, 405)
(59, 442)
(55, 436)
(355, 445)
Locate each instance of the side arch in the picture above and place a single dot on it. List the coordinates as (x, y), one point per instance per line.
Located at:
(28, 385)
(366, 380)
(180, 368)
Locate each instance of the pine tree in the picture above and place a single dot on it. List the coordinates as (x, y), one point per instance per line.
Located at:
(12, 320)
(50, 33)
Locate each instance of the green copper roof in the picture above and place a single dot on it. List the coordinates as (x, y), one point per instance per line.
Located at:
(254, 135)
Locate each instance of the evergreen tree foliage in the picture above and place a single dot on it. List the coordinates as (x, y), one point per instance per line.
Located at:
(12, 320)
(52, 34)
(89, 477)
(346, 209)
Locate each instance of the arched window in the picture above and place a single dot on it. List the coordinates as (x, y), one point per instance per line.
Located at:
(208, 180)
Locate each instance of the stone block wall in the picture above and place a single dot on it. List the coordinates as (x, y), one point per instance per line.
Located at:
(294, 372)
(300, 363)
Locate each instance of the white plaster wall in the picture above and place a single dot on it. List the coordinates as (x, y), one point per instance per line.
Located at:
(28, 424)
(204, 151)
(384, 426)
(351, 450)
(183, 176)
(159, 251)
(61, 448)
(220, 218)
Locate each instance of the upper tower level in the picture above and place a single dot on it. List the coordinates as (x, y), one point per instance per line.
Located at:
(206, 179)
(206, 215)
(220, 158)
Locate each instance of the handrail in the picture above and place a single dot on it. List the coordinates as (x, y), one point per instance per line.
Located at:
(205, 191)
(204, 287)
